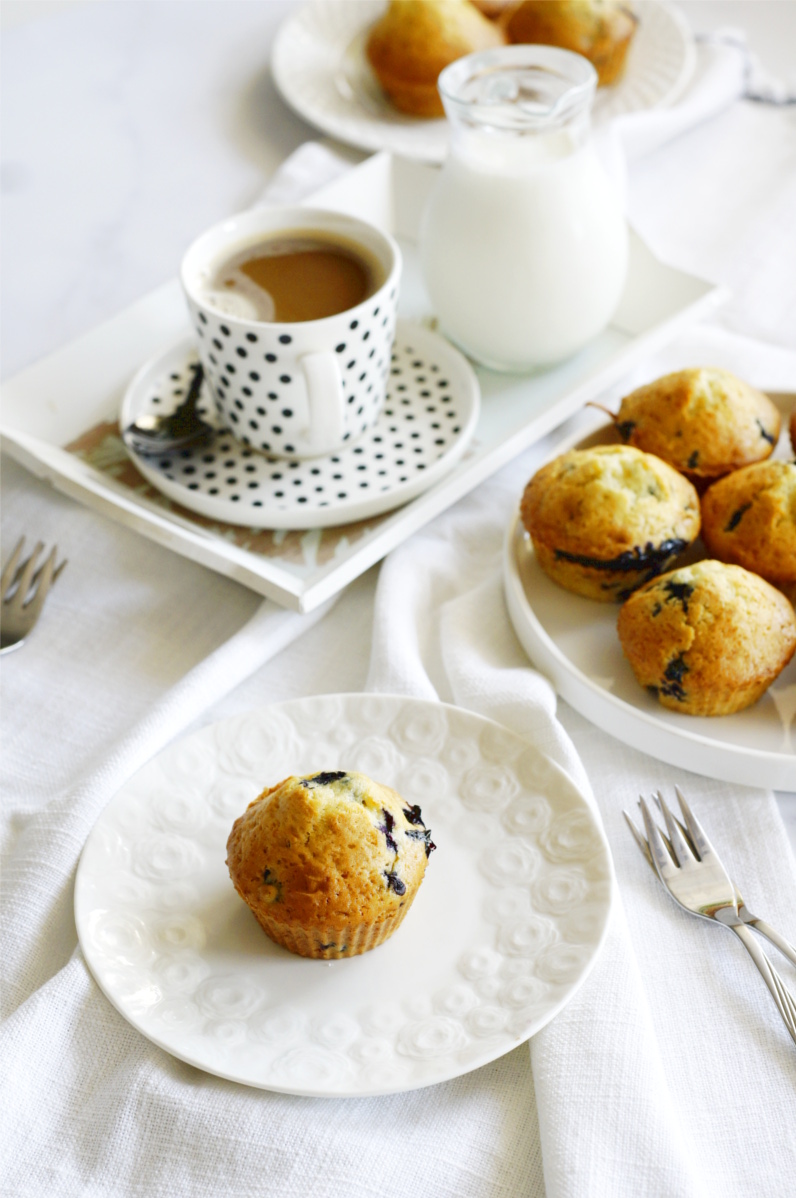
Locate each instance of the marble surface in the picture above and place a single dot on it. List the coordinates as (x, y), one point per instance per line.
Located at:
(129, 127)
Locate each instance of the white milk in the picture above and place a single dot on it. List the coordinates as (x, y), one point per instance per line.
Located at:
(524, 248)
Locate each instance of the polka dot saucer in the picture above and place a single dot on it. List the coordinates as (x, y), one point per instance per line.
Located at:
(428, 419)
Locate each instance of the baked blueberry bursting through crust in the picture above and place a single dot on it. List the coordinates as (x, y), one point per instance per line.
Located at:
(425, 835)
(414, 815)
(323, 779)
(673, 678)
(387, 827)
(737, 517)
(632, 559)
(653, 559)
(678, 591)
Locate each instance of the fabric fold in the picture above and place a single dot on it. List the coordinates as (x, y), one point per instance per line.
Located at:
(38, 875)
(603, 1041)
(717, 81)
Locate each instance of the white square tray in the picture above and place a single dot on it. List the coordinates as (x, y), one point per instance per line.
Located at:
(52, 404)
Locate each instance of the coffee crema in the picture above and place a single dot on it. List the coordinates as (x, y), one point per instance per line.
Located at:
(294, 276)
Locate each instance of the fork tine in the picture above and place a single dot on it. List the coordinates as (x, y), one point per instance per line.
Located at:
(784, 1001)
(10, 569)
(682, 828)
(639, 839)
(660, 855)
(695, 830)
(680, 845)
(44, 579)
(665, 838)
(56, 571)
(25, 586)
(787, 998)
(25, 572)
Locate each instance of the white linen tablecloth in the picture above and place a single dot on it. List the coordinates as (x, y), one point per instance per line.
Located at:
(668, 1074)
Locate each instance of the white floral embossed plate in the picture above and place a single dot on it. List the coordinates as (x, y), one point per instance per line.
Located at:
(507, 924)
(319, 65)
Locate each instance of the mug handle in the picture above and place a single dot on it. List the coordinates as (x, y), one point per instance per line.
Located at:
(325, 401)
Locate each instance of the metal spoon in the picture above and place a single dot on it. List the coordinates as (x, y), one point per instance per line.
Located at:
(152, 435)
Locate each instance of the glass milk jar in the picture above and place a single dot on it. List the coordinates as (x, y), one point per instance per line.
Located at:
(523, 242)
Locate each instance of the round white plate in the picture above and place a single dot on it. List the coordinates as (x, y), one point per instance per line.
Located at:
(319, 65)
(506, 925)
(574, 642)
(430, 414)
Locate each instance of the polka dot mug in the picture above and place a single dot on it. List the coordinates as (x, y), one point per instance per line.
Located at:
(298, 389)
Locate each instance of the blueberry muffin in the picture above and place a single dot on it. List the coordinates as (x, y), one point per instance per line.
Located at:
(704, 422)
(329, 862)
(603, 521)
(600, 30)
(707, 639)
(749, 519)
(416, 39)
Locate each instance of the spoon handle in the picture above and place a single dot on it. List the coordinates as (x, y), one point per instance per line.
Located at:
(179, 430)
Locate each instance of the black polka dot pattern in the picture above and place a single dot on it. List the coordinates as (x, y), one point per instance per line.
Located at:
(251, 370)
(419, 430)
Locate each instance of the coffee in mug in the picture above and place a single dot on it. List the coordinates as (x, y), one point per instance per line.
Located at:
(301, 274)
(294, 312)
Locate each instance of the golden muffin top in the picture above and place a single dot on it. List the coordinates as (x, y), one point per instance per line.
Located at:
(415, 40)
(704, 422)
(328, 847)
(609, 500)
(707, 638)
(749, 518)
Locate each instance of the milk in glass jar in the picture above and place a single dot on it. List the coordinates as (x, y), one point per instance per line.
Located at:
(523, 243)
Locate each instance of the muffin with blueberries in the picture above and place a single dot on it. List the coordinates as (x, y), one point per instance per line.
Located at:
(605, 520)
(414, 40)
(329, 863)
(707, 639)
(704, 422)
(749, 519)
(600, 30)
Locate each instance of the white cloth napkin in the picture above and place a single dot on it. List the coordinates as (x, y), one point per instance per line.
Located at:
(629, 1078)
(718, 80)
(668, 1074)
(39, 870)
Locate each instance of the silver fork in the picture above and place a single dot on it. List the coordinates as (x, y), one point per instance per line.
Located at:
(700, 884)
(754, 921)
(23, 589)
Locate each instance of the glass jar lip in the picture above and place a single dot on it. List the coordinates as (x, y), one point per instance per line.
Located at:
(562, 66)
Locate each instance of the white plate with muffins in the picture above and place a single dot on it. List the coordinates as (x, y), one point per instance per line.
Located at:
(691, 656)
(320, 65)
(433, 920)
